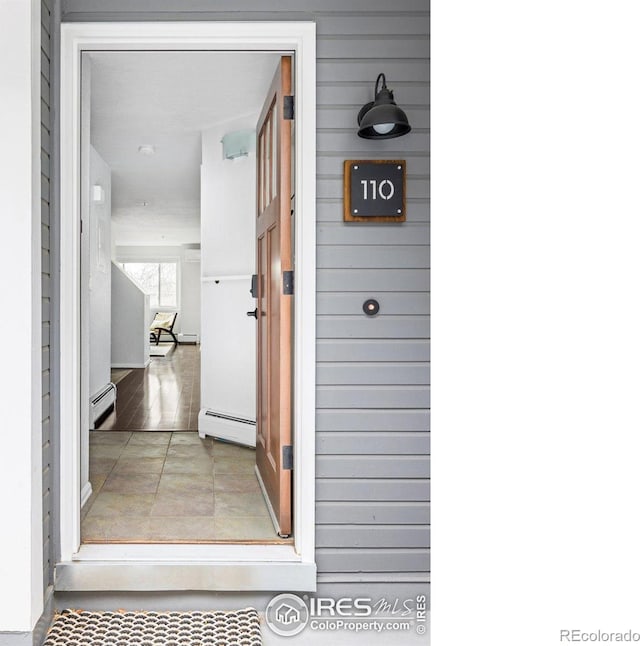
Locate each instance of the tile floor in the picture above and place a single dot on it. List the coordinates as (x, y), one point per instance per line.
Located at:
(172, 487)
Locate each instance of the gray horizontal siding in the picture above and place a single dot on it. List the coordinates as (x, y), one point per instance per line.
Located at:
(396, 420)
(340, 69)
(355, 280)
(350, 443)
(374, 535)
(45, 90)
(337, 46)
(391, 560)
(330, 140)
(338, 233)
(364, 350)
(417, 212)
(373, 489)
(372, 513)
(45, 137)
(372, 466)
(332, 164)
(237, 9)
(372, 397)
(335, 27)
(373, 374)
(373, 256)
(399, 327)
(45, 196)
(355, 94)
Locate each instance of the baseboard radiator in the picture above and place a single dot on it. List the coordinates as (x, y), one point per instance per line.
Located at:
(189, 338)
(229, 428)
(102, 404)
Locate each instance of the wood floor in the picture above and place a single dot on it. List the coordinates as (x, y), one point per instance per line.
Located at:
(165, 396)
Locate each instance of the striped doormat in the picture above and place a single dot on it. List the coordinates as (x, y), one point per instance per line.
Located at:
(122, 628)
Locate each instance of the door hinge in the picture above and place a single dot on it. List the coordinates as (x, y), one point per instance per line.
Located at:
(287, 457)
(287, 283)
(288, 105)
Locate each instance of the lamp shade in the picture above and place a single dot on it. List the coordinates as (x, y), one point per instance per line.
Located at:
(382, 118)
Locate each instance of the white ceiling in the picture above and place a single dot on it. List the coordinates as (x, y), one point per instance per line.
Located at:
(166, 99)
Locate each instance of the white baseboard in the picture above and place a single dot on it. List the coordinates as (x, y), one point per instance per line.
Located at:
(85, 494)
(131, 365)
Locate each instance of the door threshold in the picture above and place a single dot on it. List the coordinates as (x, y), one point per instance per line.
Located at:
(203, 553)
(177, 541)
(135, 567)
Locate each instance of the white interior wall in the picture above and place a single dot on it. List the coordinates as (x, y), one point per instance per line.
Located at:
(99, 237)
(188, 280)
(227, 216)
(190, 296)
(228, 349)
(95, 277)
(85, 317)
(228, 250)
(97, 290)
(129, 322)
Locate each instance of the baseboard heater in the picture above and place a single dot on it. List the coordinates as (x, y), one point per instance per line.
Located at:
(227, 427)
(188, 338)
(102, 405)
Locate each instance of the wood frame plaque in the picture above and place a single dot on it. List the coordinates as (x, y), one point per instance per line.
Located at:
(375, 190)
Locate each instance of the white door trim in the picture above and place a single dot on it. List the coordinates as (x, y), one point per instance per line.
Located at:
(296, 37)
(21, 253)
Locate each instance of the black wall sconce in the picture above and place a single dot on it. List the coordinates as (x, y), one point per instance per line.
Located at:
(382, 118)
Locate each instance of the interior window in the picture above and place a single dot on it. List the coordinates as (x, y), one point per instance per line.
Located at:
(158, 279)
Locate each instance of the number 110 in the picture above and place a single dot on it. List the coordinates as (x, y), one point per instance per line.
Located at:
(385, 189)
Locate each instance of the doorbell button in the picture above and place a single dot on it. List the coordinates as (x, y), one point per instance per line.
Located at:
(371, 307)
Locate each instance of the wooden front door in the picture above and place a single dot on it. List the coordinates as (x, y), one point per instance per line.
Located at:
(274, 305)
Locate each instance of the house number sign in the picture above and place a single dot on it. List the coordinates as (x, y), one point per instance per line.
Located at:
(374, 190)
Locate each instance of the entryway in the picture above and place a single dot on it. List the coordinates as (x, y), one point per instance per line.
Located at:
(147, 225)
(297, 555)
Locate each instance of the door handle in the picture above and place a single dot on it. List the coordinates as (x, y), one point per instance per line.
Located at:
(254, 313)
